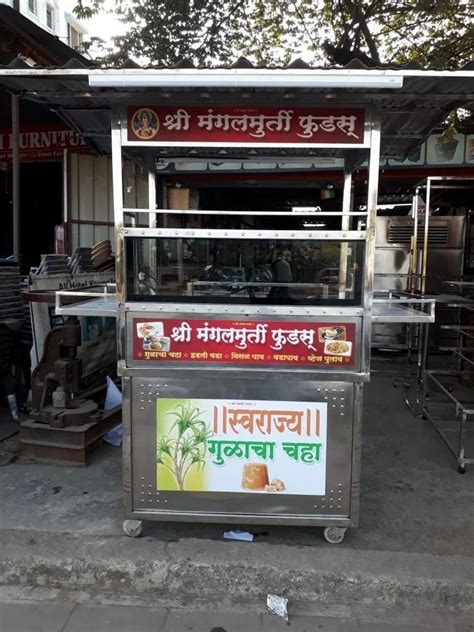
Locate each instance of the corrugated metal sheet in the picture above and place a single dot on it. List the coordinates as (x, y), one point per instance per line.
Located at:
(241, 62)
(409, 113)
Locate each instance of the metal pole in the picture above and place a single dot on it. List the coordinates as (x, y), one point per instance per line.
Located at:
(164, 202)
(65, 186)
(151, 196)
(412, 279)
(118, 201)
(425, 238)
(15, 103)
(152, 249)
(372, 194)
(117, 192)
(66, 201)
(345, 225)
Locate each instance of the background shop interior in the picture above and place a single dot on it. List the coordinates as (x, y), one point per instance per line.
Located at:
(279, 201)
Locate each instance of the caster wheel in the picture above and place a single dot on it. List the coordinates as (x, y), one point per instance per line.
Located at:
(334, 535)
(133, 528)
(461, 469)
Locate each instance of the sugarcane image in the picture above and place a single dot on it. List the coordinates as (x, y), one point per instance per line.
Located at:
(185, 445)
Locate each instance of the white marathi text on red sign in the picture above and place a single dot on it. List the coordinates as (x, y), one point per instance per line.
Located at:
(313, 125)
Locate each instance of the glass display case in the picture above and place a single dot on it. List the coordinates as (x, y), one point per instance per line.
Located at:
(260, 271)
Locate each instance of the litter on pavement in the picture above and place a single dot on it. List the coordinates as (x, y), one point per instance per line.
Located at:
(278, 605)
(245, 536)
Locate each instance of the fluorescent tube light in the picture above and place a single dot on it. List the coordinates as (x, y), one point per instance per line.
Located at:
(306, 209)
(238, 78)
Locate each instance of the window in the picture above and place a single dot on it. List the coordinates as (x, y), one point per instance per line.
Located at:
(50, 17)
(32, 6)
(74, 36)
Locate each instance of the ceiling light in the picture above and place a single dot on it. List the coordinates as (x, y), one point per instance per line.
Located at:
(306, 209)
(240, 78)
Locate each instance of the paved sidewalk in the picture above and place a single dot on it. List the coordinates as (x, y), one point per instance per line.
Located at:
(59, 617)
(61, 528)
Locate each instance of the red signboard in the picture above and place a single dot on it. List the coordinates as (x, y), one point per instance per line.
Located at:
(262, 125)
(41, 142)
(242, 342)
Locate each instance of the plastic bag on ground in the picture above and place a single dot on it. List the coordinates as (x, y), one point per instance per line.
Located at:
(113, 399)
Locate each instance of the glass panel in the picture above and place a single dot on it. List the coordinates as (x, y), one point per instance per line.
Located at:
(244, 271)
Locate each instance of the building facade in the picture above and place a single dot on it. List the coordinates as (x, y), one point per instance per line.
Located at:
(55, 16)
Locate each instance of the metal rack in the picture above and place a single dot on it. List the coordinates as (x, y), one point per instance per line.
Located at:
(416, 277)
(455, 426)
(457, 421)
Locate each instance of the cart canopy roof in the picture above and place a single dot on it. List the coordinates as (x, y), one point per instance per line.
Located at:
(412, 100)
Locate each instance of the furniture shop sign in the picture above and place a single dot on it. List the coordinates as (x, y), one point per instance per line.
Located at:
(293, 343)
(41, 142)
(222, 125)
(245, 446)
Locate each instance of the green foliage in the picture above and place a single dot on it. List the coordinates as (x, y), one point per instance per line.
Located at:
(186, 444)
(85, 10)
(439, 33)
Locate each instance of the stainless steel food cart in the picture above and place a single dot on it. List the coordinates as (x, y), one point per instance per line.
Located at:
(242, 381)
(242, 386)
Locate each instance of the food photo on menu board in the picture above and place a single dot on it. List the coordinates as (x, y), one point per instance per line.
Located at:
(151, 333)
(244, 342)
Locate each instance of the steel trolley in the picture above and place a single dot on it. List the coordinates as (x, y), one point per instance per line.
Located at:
(243, 388)
(243, 358)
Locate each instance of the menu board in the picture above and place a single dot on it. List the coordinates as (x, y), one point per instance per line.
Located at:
(294, 343)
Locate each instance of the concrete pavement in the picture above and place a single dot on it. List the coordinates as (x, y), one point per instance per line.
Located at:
(75, 617)
(62, 528)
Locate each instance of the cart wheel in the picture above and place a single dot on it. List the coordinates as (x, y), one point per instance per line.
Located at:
(461, 469)
(133, 528)
(334, 535)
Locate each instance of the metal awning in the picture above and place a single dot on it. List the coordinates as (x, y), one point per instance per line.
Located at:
(413, 101)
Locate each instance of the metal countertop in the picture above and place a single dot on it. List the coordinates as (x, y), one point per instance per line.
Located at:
(382, 312)
(391, 313)
(103, 306)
